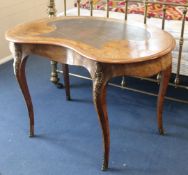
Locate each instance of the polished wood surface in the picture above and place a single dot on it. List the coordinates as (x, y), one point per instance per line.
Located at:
(99, 39)
(106, 48)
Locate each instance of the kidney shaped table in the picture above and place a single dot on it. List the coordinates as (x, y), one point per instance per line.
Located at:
(105, 47)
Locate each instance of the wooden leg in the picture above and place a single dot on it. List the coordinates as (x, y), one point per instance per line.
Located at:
(25, 90)
(99, 98)
(66, 80)
(19, 71)
(165, 76)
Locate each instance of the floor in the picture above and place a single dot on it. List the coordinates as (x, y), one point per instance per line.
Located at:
(68, 136)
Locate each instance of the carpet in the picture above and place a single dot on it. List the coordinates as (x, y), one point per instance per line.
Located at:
(68, 136)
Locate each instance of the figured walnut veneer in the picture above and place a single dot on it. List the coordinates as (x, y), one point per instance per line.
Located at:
(105, 47)
(100, 39)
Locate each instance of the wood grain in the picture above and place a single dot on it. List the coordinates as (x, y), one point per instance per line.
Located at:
(95, 39)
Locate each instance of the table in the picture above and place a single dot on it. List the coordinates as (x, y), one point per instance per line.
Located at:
(105, 47)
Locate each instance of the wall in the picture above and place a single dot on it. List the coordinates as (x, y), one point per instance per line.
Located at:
(13, 12)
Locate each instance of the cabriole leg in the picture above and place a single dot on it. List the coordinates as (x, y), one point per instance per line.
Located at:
(165, 76)
(19, 71)
(99, 98)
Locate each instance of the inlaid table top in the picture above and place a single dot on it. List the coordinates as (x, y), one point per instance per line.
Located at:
(107, 48)
(100, 39)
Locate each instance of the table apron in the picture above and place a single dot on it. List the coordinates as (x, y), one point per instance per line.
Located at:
(109, 70)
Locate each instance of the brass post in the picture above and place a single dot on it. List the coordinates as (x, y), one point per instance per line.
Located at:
(65, 7)
(78, 4)
(107, 9)
(126, 9)
(123, 84)
(164, 16)
(177, 79)
(54, 75)
(145, 10)
(163, 26)
(51, 8)
(91, 7)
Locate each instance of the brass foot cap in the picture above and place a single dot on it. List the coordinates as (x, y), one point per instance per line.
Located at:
(68, 98)
(161, 131)
(31, 135)
(104, 167)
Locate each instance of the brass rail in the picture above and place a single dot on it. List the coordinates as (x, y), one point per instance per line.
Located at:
(161, 3)
(52, 13)
(164, 9)
(177, 80)
(130, 89)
